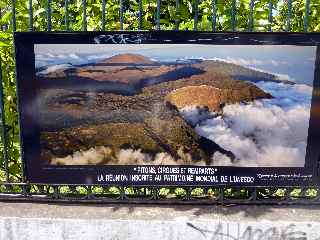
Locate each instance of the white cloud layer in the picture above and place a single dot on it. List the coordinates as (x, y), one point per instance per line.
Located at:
(104, 155)
(269, 132)
(279, 76)
(53, 68)
(195, 114)
(244, 61)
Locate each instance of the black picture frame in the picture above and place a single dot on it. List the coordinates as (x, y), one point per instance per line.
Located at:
(27, 87)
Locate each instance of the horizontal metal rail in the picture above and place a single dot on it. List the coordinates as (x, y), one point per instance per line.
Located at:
(159, 194)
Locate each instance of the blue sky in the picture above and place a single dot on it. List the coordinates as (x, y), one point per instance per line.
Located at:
(292, 62)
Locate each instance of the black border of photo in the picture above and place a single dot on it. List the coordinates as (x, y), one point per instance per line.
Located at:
(27, 88)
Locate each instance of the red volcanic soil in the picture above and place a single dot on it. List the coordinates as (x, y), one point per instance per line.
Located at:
(128, 58)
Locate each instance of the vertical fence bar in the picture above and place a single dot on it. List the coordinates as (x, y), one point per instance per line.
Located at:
(49, 15)
(270, 16)
(103, 19)
(66, 15)
(254, 194)
(1, 26)
(233, 15)
(121, 14)
(140, 15)
(14, 22)
(3, 128)
(306, 16)
(177, 20)
(196, 10)
(84, 14)
(251, 15)
(214, 15)
(289, 15)
(30, 16)
(158, 14)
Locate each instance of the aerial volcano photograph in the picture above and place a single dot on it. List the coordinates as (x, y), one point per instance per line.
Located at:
(174, 104)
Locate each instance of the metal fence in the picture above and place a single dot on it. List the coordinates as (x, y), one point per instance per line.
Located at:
(14, 187)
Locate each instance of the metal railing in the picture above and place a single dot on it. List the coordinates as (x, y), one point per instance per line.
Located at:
(270, 6)
(14, 187)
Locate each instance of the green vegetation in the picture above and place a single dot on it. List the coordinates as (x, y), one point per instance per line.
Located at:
(170, 18)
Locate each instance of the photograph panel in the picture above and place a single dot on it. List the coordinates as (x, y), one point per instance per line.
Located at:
(174, 104)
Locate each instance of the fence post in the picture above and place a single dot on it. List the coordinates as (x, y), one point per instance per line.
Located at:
(4, 135)
(30, 16)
